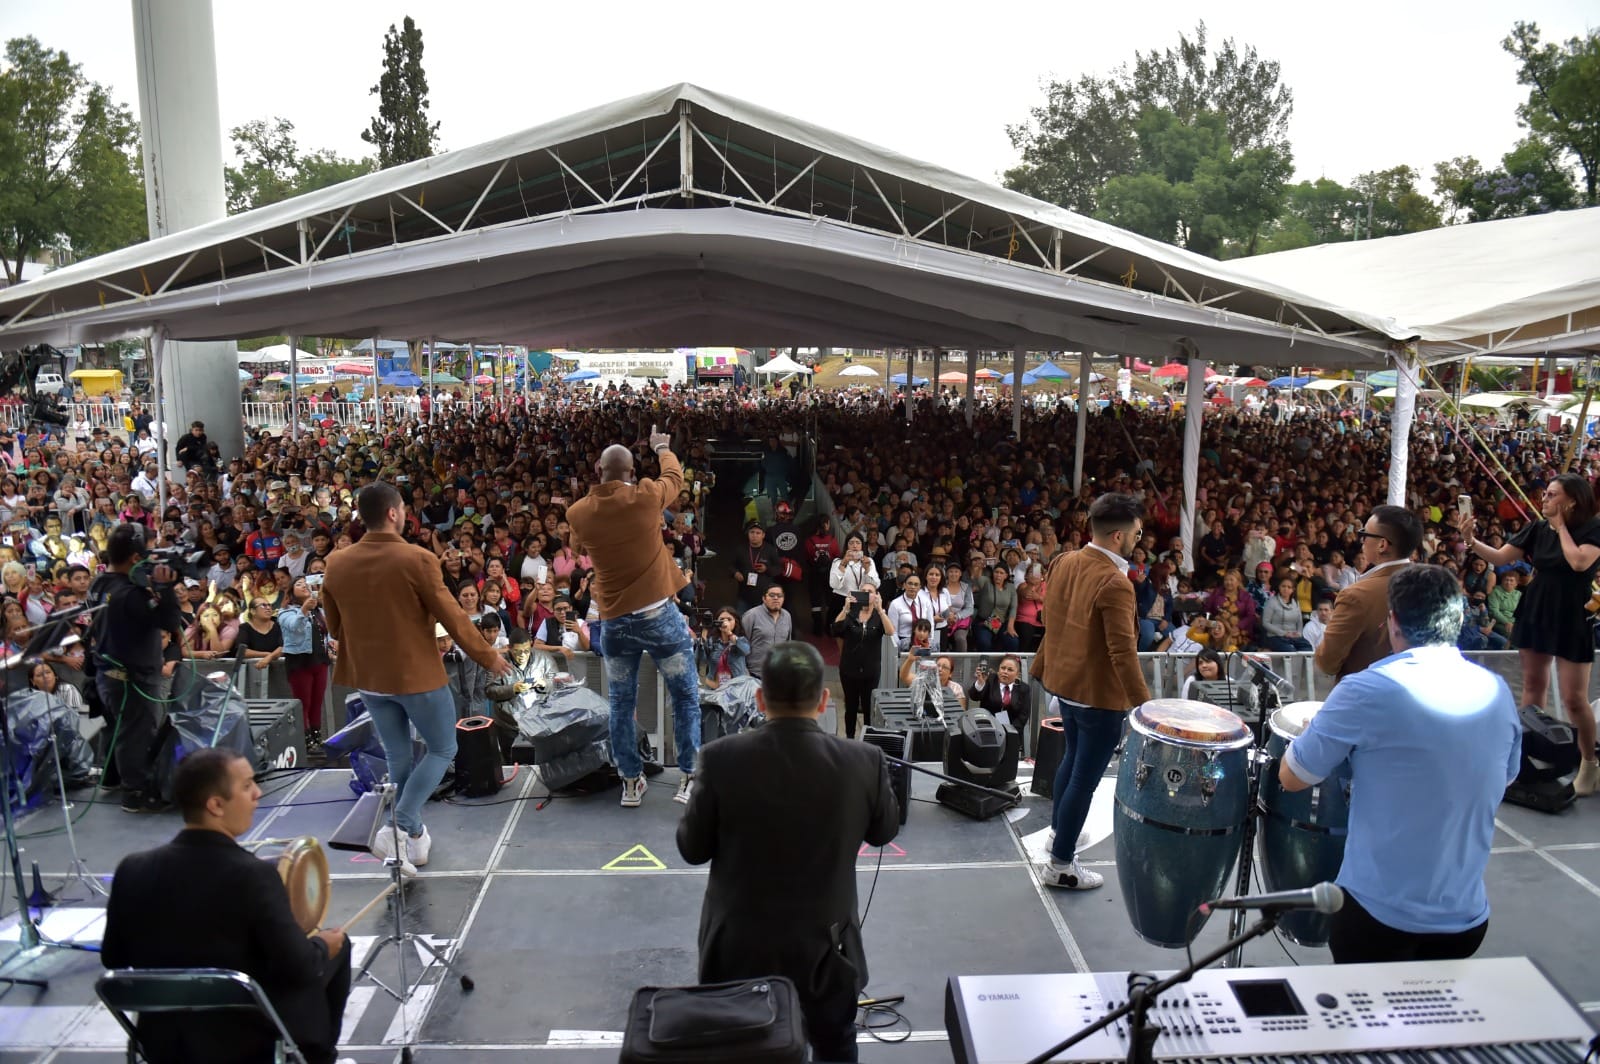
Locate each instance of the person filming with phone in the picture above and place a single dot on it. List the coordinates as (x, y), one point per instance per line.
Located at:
(860, 626)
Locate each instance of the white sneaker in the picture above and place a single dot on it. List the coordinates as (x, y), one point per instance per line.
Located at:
(1587, 781)
(685, 788)
(632, 792)
(1071, 876)
(417, 847)
(383, 850)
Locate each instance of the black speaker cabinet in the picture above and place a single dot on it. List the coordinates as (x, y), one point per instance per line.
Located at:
(894, 743)
(477, 757)
(1048, 749)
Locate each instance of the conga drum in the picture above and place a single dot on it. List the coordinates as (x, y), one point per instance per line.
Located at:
(1302, 833)
(1182, 794)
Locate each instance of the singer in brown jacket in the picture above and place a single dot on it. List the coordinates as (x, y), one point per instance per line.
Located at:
(1089, 660)
(1358, 633)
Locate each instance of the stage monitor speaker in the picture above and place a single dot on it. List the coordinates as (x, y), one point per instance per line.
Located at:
(477, 757)
(1048, 749)
(894, 743)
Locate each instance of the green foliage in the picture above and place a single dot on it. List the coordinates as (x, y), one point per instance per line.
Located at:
(400, 130)
(1530, 180)
(1193, 188)
(1314, 212)
(71, 178)
(1394, 203)
(271, 167)
(1563, 105)
(1093, 130)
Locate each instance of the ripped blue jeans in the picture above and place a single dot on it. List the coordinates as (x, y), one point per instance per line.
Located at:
(663, 633)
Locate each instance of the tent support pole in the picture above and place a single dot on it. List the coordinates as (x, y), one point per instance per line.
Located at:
(972, 381)
(1405, 409)
(911, 375)
(1194, 405)
(377, 401)
(938, 359)
(1083, 422)
(1583, 414)
(294, 390)
(1018, 355)
(156, 347)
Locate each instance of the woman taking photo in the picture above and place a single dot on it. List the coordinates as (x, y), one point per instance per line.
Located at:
(305, 652)
(1564, 550)
(260, 640)
(995, 617)
(860, 626)
(722, 649)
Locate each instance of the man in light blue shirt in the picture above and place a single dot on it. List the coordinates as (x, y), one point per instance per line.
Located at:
(1432, 741)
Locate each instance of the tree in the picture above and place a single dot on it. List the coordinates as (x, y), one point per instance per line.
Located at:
(71, 176)
(1563, 105)
(401, 131)
(1394, 204)
(271, 167)
(1193, 189)
(1314, 212)
(1530, 180)
(1087, 132)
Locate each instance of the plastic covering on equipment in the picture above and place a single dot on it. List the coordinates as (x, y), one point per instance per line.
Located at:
(927, 693)
(730, 709)
(569, 728)
(34, 717)
(210, 713)
(359, 742)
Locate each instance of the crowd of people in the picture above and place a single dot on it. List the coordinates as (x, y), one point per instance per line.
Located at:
(935, 520)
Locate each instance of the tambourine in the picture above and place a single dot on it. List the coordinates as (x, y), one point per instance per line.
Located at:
(303, 867)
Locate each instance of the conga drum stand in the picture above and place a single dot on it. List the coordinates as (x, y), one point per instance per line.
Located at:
(399, 936)
(1258, 758)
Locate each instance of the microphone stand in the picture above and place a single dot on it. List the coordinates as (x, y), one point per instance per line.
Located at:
(1143, 992)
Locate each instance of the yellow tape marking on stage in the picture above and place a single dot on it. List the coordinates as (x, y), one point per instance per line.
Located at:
(635, 860)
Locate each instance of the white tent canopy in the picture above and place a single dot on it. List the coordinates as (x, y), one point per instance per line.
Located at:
(682, 218)
(1328, 384)
(858, 370)
(782, 364)
(1521, 285)
(1500, 400)
(274, 353)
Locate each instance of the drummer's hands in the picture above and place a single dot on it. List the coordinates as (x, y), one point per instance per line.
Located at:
(333, 938)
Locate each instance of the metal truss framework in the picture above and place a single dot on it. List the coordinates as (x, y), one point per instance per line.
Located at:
(692, 158)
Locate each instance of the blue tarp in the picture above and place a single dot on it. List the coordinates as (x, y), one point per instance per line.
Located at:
(1046, 371)
(1027, 379)
(581, 375)
(401, 379)
(1288, 382)
(1387, 378)
(900, 378)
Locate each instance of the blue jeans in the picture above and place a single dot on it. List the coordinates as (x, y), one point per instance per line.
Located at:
(1091, 737)
(1287, 644)
(663, 633)
(1149, 634)
(985, 640)
(433, 714)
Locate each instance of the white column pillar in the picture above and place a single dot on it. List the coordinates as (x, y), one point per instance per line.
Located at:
(1405, 409)
(1017, 356)
(158, 344)
(1193, 411)
(972, 384)
(911, 373)
(176, 56)
(294, 388)
(933, 378)
(1083, 421)
(377, 404)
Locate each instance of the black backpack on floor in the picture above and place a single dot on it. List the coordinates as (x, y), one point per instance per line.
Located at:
(1549, 753)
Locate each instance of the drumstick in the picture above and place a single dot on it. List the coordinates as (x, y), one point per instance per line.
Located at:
(345, 927)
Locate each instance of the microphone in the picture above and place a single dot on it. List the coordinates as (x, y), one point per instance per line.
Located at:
(1323, 898)
(1263, 670)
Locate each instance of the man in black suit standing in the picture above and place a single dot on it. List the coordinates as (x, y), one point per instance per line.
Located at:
(781, 812)
(201, 901)
(1003, 694)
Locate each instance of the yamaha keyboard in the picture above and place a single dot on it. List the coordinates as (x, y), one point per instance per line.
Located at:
(1501, 1009)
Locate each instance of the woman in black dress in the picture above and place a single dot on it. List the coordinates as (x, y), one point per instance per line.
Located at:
(1564, 550)
(861, 626)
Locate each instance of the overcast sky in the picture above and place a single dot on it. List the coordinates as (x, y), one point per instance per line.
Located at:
(1375, 84)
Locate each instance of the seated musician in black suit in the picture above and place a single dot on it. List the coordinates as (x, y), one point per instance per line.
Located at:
(781, 812)
(201, 901)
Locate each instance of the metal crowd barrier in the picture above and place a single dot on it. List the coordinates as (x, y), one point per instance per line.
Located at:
(1165, 673)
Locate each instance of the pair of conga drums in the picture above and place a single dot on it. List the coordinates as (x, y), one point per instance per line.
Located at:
(1183, 795)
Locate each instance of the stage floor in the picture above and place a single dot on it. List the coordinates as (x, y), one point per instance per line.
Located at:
(558, 913)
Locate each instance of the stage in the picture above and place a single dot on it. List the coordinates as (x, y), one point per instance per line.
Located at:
(559, 912)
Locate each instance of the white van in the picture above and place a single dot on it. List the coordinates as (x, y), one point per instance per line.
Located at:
(49, 382)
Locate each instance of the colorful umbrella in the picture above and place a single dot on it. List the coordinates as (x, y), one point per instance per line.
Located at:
(363, 369)
(1178, 370)
(858, 370)
(987, 374)
(581, 375)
